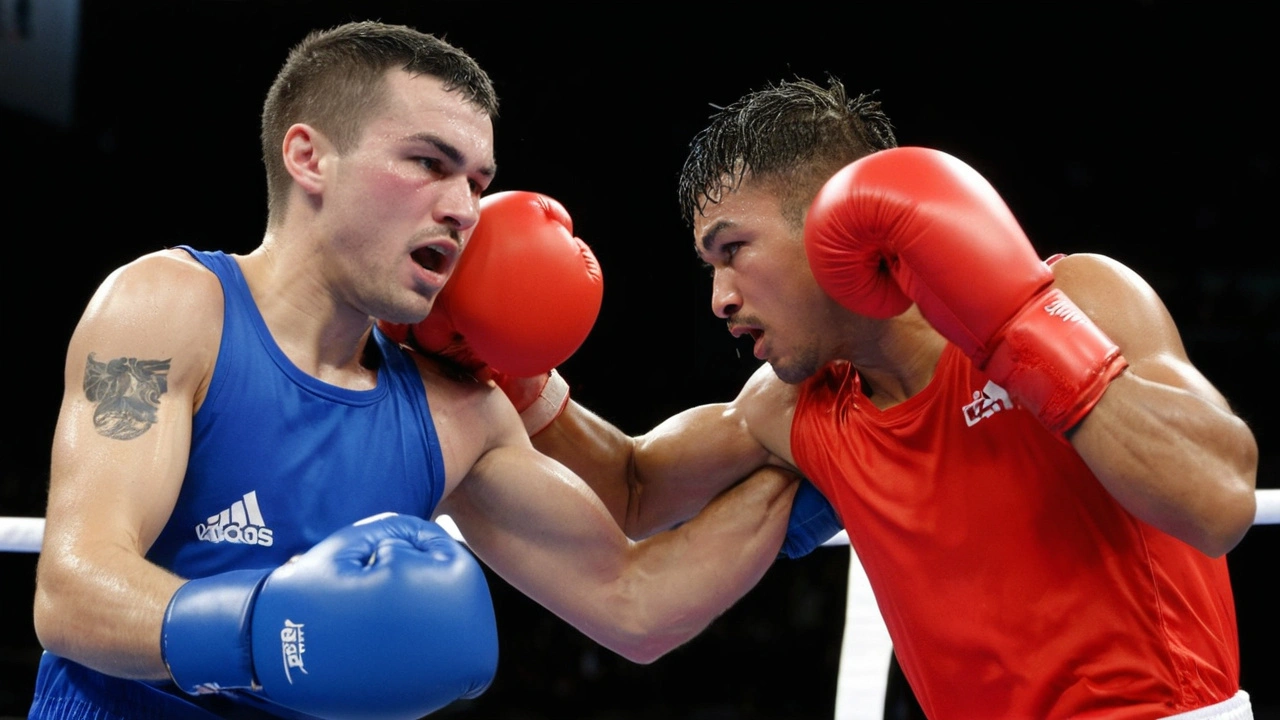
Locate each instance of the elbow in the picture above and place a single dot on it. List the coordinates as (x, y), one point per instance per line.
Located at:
(1218, 515)
(644, 650)
(640, 655)
(56, 617)
(43, 624)
(1218, 545)
(1233, 523)
(1238, 508)
(49, 622)
(1219, 529)
(643, 638)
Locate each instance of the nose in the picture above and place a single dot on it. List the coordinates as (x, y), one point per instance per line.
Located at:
(458, 206)
(725, 300)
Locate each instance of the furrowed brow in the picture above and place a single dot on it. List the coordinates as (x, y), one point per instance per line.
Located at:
(708, 239)
(456, 156)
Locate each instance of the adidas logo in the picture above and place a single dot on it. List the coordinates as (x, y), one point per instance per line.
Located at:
(241, 523)
(986, 402)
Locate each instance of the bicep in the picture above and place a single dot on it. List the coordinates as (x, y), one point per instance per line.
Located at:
(132, 372)
(690, 458)
(653, 481)
(115, 477)
(539, 527)
(698, 454)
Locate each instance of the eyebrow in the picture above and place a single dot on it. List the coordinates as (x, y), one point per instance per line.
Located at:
(709, 237)
(453, 153)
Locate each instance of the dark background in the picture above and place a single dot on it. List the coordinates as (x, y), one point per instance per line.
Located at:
(1134, 129)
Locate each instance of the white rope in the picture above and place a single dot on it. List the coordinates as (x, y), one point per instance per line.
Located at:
(865, 652)
(1268, 508)
(21, 534)
(25, 534)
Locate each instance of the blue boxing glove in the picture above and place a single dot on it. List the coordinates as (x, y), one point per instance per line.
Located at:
(813, 522)
(387, 618)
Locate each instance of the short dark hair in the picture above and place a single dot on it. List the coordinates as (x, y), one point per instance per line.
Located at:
(333, 78)
(795, 134)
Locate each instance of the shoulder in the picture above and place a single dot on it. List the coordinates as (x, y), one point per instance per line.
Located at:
(472, 419)
(163, 308)
(1121, 302)
(168, 280)
(1088, 274)
(471, 416)
(766, 404)
(765, 387)
(450, 389)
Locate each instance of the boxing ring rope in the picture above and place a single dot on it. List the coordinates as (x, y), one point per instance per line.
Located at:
(865, 651)
(25, 534)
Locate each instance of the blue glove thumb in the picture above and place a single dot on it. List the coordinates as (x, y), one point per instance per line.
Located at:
(813, 522)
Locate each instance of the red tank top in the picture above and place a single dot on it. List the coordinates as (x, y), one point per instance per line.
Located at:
(1012, 584)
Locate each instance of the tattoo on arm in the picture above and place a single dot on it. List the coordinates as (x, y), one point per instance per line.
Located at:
(127, 391)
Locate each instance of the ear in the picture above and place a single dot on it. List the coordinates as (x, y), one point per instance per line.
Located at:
(303, 149)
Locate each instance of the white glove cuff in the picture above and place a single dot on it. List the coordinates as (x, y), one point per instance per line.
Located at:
(548, 406)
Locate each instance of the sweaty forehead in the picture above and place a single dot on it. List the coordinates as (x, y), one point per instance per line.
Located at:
(420, 104)
(751, 207)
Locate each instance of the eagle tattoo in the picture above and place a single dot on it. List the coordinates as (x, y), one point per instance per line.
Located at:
(127, 392)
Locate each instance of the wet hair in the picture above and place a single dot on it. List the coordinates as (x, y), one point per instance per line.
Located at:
(333, 79)
(792, 136)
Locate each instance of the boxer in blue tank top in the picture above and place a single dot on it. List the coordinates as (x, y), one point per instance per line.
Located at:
(245, 471)
(253, 495)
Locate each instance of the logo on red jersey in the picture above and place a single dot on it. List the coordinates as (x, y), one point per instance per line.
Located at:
(988, 401)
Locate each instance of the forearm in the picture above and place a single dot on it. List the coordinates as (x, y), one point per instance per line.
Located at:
(103, 608)
(1175, 460)
(99, 601)
(550, 537)
(686, 578)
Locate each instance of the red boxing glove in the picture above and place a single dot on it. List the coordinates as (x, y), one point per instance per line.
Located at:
(522, 299)
(526, 292)
(917, 225)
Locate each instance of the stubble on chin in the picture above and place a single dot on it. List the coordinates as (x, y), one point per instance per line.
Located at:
(796, 369)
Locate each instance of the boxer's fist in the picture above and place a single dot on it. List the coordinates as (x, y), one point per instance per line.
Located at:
(522, 299)
(525, 292)
(812, 522)
(387, 618)
(916, 225)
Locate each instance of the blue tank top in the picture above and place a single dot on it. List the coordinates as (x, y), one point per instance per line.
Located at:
(279, 460)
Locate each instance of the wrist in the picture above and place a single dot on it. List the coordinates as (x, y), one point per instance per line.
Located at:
(547, 406)
(1054, 361)
(205, 640)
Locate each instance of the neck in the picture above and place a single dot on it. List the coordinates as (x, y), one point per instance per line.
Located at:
(896, 358)
(322, 336)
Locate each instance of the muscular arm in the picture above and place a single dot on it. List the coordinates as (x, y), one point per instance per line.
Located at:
(653, 481)
(1162, 439)
(543, 530)
(133, 368)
